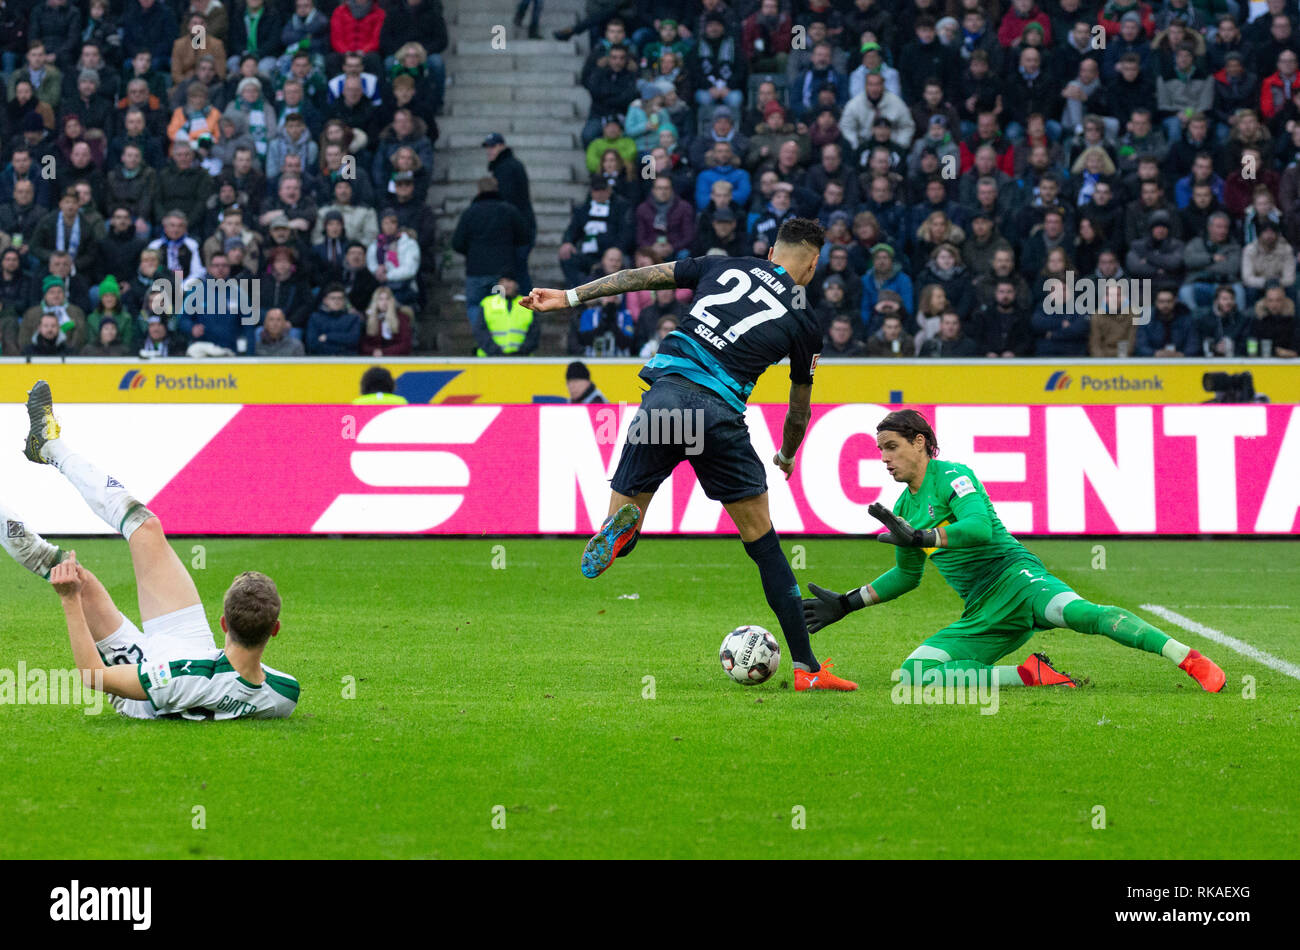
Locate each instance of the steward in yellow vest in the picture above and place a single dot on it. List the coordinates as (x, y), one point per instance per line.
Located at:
(512, 328)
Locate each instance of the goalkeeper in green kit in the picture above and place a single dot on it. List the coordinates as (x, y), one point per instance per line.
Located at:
(1009, 595)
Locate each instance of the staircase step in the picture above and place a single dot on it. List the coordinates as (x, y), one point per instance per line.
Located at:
(552, 223)
(509, 126)
(538, 105)
(553, 196)
(482, 18)
(558, 49)
(470, 169)
(524, 144)
(500, 60)
(508, 93)
(473, 95)
(565, 109)
(502, 75)
(543, 275)
(567, 191)
(539, 263)
(560, 155)
(468, 19)
(453, 202)
(574, 93)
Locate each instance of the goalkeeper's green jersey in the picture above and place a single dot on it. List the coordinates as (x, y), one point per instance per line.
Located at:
(979, 548)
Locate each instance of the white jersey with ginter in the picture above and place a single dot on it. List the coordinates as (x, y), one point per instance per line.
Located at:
(208, 687)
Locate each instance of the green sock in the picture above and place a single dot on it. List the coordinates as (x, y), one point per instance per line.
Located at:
(1123, 627)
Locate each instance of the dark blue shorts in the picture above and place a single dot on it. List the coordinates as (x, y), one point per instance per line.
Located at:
(715, 441)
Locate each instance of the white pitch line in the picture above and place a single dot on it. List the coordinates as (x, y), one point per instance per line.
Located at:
(1232, 643)
(1233, 606)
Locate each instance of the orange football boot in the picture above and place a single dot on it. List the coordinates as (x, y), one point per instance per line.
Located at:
(1204, 670)
(822, 679)
(1037, 670)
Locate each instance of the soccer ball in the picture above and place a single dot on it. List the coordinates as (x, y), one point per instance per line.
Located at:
(750, 655)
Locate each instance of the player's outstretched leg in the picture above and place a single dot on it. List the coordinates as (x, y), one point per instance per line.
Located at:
(1132, 631)
(617, 536)
(27, 547)
(105, 495)
(927, 665)
(163, 584)
(782, 592)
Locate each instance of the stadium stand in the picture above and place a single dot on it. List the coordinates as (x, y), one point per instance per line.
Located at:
(1081, 156)
(1087, 154)
(270, 152)
(529, 95)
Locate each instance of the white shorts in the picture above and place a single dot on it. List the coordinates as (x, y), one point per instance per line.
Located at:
(180, 635)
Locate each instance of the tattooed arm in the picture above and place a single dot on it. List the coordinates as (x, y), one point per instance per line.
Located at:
(796, 424)
(654, 277)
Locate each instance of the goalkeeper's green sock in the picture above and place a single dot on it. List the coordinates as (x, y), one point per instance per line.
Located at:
(1123, 627)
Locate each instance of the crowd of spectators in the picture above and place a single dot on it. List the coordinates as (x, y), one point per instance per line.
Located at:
(966, 158)
(271, 151)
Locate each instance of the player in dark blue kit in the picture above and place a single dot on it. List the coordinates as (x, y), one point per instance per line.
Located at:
(743, 320)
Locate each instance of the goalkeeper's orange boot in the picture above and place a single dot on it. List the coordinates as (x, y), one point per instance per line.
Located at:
(614, 535)
(1037, 670)
(822, 679)
(1204, 670)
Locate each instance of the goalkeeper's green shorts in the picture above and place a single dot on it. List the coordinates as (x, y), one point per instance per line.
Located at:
(1020, 603)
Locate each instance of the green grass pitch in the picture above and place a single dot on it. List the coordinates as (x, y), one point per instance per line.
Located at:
(524, 688)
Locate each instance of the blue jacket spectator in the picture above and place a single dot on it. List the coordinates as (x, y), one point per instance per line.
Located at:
(738, 177)
(218, 328)
(877, 279)
(333, 330)
(1172, 330)
(1183, 190)
(605, 329)
(1060, 334)
(803, 95)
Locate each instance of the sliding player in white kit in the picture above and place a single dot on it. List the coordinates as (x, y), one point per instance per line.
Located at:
(171, 669)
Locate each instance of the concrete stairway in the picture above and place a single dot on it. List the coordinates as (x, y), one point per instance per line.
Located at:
(529, 92)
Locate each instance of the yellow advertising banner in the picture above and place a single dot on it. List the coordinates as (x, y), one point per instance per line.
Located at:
(948, 382)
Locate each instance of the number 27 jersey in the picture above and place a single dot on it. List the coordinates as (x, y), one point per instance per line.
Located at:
(743, 320)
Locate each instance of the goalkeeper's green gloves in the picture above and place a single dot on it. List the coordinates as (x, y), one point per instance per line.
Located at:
(900, 532)
(825, 606)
